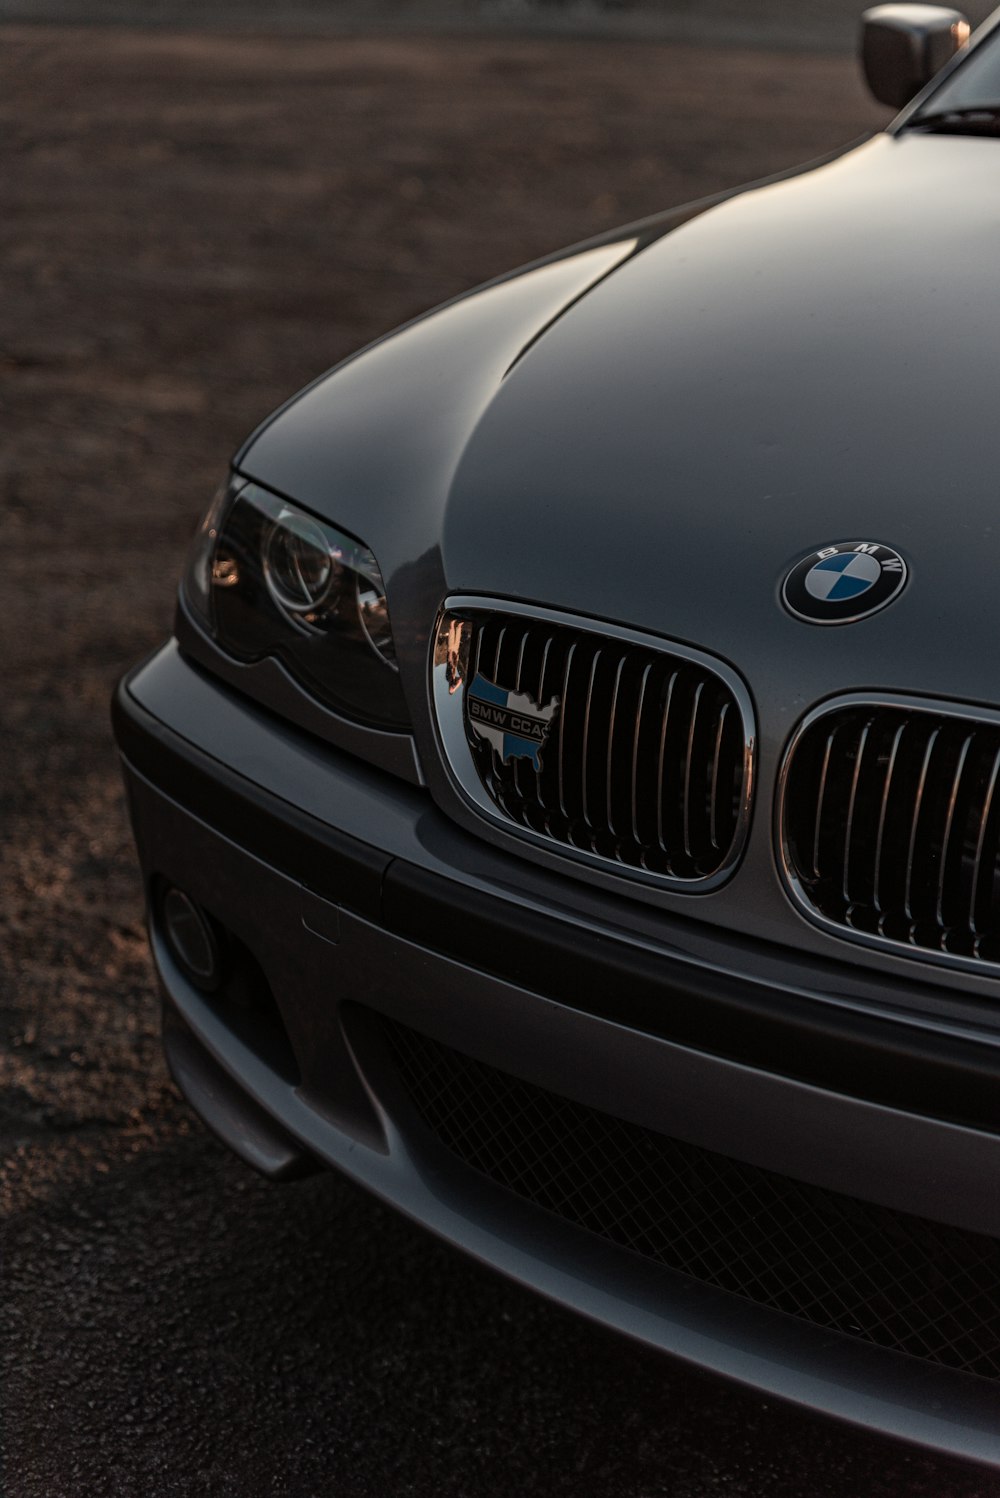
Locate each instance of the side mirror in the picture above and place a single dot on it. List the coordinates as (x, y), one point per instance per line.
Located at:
(903, 46)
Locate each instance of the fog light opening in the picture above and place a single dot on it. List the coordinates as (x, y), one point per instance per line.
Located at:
(191, 937)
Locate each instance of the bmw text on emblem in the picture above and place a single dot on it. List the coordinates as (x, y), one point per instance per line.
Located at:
(841, 583)
(512, 722)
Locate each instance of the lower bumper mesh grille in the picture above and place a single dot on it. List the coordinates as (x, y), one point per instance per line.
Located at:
(886, 1277)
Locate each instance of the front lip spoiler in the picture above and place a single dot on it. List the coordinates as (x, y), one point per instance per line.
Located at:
(885, 1393)
(224, 1107)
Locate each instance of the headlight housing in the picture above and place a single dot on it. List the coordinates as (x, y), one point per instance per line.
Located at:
(267, 578)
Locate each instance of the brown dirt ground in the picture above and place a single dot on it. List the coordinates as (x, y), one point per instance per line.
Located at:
(190, 228)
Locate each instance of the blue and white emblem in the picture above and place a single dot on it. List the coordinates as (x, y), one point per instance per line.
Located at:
(846, 575)
(842, 583)
(513, 723)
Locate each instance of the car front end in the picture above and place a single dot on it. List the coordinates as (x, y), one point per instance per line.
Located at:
(518, 841)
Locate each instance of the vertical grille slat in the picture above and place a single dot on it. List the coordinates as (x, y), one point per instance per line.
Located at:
(496, 764)
(980, 844)
(561, 730)
(497, 649)
(713, 795)
(890, 825)
(949, 827)
(646, 763)
(688, 767)
(820, 802)
(634, 788)
(608, 779)
(518, 686)
(545, 801)
(852, 802)
(915, 824)
(883, 808)
(661, 761)
(585, 741)
(520, 661)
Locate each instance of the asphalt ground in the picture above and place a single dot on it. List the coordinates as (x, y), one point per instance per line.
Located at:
(830, 25)
(192, 226)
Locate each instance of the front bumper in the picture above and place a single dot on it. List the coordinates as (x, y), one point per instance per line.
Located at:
(350, 898)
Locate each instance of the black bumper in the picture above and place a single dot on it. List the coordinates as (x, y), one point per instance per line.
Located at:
(715, 1042)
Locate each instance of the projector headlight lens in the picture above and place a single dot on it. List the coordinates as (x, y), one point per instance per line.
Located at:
(267, 578)
(298, 565)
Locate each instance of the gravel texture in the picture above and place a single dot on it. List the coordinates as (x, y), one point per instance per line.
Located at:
(192, 227)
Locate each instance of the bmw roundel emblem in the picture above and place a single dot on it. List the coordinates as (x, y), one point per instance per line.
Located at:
(841, 583)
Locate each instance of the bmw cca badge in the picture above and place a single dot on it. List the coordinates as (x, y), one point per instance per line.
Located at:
(512, 722)
(841, 583)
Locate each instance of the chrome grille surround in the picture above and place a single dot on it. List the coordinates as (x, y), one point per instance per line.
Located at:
(675, 786)
(887, 824)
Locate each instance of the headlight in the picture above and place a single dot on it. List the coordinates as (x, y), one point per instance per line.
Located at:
(268, 579)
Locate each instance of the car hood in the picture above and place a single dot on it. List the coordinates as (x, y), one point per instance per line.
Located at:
(811, 362)
(652, 432)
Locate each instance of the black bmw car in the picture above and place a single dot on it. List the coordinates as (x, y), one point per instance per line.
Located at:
(570, 801)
